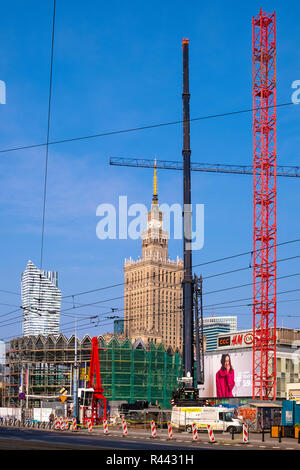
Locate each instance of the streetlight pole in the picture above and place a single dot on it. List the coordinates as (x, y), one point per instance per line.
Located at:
(75, 383)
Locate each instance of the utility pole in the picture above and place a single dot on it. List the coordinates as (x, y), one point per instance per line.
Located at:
(188, 327)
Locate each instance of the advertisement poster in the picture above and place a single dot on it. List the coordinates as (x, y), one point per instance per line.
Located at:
(227, 374)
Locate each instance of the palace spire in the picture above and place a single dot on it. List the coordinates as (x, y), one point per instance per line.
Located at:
(155, 196)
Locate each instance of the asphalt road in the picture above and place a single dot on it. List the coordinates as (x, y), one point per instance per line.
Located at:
(37, 439)
(31, 439)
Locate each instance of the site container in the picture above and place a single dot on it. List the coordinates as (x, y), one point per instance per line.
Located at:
(288, 413)
(297, 415)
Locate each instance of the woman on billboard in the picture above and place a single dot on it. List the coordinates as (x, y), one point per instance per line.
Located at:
(225, 378)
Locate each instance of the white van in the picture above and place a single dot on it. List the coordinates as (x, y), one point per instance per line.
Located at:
(219, 418)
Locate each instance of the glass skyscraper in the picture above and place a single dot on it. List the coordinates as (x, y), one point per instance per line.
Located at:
(41, 301)
(214, 326)
(229, 320)
(212, 331)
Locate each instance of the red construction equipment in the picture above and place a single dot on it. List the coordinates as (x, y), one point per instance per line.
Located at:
(97, 411)
(264, 206)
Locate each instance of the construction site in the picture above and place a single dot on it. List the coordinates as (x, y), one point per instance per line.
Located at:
(129, 372)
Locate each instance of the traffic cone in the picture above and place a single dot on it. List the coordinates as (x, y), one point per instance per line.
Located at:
(195, 432)
(211, 434)
(153, 430)
(105, 427)
(245, 434)
(124, 426)
(170, 430)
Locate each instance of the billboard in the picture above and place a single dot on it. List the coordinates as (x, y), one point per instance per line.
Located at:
(227, 374)
(243, 339)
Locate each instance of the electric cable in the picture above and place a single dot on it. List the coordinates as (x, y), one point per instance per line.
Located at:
(141, 128)
(181, 269)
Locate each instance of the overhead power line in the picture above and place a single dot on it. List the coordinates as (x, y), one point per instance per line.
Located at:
(250, 252)
(137, 129)
(161, 302)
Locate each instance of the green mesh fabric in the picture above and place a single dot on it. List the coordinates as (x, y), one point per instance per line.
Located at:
(136, 374)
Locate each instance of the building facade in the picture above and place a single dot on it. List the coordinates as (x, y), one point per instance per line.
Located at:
(41, 301)
(118, 327)
(2, 362)
(211, 331)
(153, 290)
(238, 346)
(229, 320)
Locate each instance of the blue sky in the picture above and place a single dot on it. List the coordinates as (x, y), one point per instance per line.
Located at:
(118, 66)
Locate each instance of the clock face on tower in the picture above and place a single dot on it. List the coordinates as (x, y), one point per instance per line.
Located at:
(154, 224)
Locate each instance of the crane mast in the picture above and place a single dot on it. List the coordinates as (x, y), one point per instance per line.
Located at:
(188, 327)
(264, 206)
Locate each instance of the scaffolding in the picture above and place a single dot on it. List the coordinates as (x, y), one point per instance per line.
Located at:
(40, 366)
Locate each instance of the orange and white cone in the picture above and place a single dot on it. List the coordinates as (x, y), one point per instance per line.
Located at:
(90, 426)
(105, 427)
(195, 432)
(170, 430)
(124, 426)
(74, 424)
(153, 430)
(245, 434)
(210, 434)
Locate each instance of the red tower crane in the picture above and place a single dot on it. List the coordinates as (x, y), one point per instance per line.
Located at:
(98, 400)
(264, 206)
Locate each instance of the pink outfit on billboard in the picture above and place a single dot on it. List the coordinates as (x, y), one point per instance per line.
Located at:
(225, 383)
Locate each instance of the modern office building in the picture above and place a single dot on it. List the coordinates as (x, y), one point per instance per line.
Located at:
(211, 331)
(153, 289)
(118, 327)
(2, 362)
(41, 301)
(229, 320)
(2, 354)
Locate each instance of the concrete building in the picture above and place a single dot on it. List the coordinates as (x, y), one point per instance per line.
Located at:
(153, 290)
(41, 301)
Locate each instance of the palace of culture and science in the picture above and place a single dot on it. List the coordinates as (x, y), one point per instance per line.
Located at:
(153, 290)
